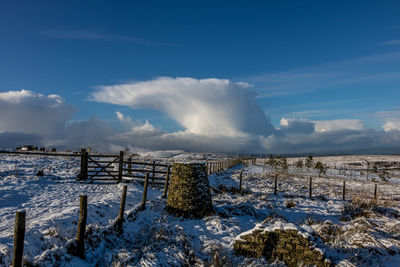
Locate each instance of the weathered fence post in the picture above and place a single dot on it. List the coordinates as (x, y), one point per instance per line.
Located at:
(310, 189)
(344, 190)
(275, 184)
(120, 166)
(146, 182)
(164, 195)
(120, 218)
(240, 181)
(154, 173)
(376, 192)
(80, 235)
(19, 236)
(129, 165)
(84, 165)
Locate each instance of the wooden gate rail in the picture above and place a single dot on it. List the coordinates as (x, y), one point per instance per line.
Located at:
(145, 163)
(105, 170)
(101, 168)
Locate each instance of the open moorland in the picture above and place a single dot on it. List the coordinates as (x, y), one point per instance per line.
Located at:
(361, 229)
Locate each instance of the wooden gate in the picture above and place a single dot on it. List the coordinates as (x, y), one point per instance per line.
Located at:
(114, 168)
(103, 168)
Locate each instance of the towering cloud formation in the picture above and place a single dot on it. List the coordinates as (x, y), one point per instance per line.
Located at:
(209, 107)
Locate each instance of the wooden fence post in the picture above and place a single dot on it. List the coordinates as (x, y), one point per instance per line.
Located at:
(130, 165)
(240, 181)
(80, 235)
(164, 195)
(154, 173)
(84, 165)
(310, 190)
(376, 192)
(146, 182)
(120, 166)
(344, 190)
(275, 184)
(120, 218)
(19, 236)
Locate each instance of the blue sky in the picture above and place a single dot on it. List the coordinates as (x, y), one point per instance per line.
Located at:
(314, 60)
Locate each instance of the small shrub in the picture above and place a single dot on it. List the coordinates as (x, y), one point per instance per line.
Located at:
(360, 206)
(220, 257)
(233, 190)
(290, 204)
(329, 233)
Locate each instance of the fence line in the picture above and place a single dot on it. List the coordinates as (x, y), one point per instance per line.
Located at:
(102, 167)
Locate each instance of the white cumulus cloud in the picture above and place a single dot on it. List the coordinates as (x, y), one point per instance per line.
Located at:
(338, 125)
(391, 125)
(391, 118)
(28, 112)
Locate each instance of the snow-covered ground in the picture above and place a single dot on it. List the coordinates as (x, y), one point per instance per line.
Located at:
(356, 232)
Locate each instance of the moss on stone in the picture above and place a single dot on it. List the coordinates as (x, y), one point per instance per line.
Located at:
(189, 192)
(288, 246)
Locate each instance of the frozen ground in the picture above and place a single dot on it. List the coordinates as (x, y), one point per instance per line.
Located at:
(356, 232)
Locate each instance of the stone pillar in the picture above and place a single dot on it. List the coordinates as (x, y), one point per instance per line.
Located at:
(189, 192)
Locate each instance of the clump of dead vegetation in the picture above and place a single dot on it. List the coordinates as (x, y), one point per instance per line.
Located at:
(290, 203)
(364, 206)
(222, 189)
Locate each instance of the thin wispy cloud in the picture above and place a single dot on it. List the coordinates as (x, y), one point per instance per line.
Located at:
(82, 34)
(362, 70)
(391, 42)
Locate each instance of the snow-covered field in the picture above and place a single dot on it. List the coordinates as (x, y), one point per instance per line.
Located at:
(358, 231)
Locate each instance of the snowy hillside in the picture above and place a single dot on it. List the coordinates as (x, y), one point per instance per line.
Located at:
(355, 232)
